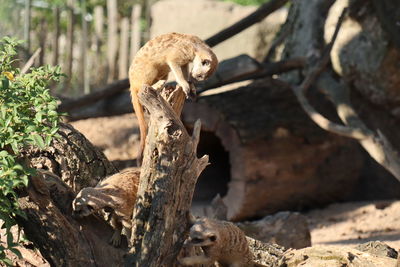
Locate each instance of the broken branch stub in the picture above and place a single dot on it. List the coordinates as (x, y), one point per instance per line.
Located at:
(168, 176)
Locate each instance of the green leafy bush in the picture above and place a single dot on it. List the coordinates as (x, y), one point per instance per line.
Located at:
(27, 117)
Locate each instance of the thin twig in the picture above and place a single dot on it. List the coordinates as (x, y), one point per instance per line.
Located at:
(258, 15)
(31, 60)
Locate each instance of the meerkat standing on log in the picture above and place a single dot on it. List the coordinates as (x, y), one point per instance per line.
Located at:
(115, 194)
(221, 241)
(166, 53)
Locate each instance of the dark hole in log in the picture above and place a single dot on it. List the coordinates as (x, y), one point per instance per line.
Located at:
(214, 179)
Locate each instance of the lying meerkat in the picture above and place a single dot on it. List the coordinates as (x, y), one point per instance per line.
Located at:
(115, 194)
(221, 242)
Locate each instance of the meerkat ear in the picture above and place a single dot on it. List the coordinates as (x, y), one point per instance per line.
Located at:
(191, 218)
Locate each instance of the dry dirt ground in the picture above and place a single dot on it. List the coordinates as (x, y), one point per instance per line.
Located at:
(338, 224)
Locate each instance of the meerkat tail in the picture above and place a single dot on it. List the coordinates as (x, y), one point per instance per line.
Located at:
(138, 108)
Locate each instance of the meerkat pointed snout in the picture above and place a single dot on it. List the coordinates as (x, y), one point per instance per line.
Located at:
(221, 242)
(116, 195)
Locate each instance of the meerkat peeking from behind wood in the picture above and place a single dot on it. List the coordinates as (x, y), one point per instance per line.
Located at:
(172, 52)
(115, 194)
(221, 242)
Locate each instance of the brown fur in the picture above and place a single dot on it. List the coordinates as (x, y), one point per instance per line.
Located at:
(116, 193)
(165, 53)
(221, 241)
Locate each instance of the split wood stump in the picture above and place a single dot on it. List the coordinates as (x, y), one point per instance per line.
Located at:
(279, 159)
(168, 176)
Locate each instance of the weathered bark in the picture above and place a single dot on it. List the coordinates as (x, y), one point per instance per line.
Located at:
(73, 158)
(168, 177)
(72, 163)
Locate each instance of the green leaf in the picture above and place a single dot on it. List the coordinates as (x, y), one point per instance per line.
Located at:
(39, 116)
(38, 141)
(16, 252)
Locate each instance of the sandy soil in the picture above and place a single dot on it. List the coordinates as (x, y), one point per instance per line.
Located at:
(355, 223)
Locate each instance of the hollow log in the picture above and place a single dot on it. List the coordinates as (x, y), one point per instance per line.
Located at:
(279, 159)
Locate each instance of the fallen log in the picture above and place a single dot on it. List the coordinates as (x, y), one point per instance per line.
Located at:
(115, 100)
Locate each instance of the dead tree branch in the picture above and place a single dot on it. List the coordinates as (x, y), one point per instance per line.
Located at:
(105, 92)
(169, 174)
(248, 21)
(376, 144)
(300, 92)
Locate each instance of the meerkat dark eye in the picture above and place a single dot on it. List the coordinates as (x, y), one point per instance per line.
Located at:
(205, 62)
(90, 208)
(213, 238)
(108, 209)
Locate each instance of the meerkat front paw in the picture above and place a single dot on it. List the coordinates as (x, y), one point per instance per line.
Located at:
(115, 239)
(190, 91)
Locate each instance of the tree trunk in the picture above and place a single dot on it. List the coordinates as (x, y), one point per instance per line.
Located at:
(84, 47)
(70, 42)
(171, 163)
(27, 26)
(112, 38)
(135, 30)
(123, 49)
(71, 163)
(42, 41)
(56, 35)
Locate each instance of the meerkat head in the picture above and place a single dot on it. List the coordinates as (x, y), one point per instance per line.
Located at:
(82, 205)
(204, 64)
(202, 234)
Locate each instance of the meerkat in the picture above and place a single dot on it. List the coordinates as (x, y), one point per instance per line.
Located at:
(221, 242)
(115, 194)
(172, 52)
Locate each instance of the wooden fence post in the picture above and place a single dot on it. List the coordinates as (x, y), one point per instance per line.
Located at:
(135, 30)
(112, 38)
(123, 49)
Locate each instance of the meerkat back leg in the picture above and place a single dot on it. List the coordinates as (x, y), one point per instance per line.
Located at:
(192, 260)
(115, 239)
(138, 108)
